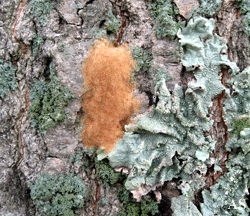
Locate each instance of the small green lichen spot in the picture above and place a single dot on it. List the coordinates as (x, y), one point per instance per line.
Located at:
(207, 8)
(37, 42)
(7, 78)
(110, 27)
(244, 6)
(131, 207)
(48, 98)
(163, 13)
(39, 11)
(143, 59)
(112, 24)
(240, 124)
(107, 174)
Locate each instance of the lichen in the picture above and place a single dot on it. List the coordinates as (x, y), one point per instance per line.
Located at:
(182, 206)
(106, 174)
(244, 6)
(163, 13)
(205, 59)
(240, 124)
(207, 8)
(58, 195)
(146, 207)
(232, 188)
(48, 98)
(112, 24)
(39, 11)
(172, 140)
(37, 41)
(7, 78)
(109, 28)
(98, 17)
(143, 60)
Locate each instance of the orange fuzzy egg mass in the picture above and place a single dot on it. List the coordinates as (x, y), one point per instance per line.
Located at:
(109, 101)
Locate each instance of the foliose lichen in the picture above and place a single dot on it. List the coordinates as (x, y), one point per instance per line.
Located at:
(48, 98)
(7, 78)
(182, 206)
(244, 6)
(58, 195)
(151, 151)
(172, 141)
(232, 188)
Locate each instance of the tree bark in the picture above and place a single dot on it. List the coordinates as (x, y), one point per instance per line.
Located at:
(42, 39)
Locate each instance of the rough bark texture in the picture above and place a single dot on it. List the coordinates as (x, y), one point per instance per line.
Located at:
(62, 40)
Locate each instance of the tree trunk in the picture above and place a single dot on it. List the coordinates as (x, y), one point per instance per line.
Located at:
(188, 146)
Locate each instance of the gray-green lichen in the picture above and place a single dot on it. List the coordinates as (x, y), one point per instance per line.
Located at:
(112, 24)
(207, 8)
(36, 43)
(99, 19)
(7, 78)
(163, 13)
(205, 59)
(233, 186)
(58, 195)
(39, 11)
(48, 98)
(182, 206)
(172, 140)
(143, 60)
(244, 6)
(109, 28)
